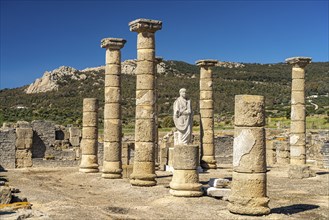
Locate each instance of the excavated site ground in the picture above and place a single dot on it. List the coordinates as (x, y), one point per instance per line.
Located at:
(64, 193)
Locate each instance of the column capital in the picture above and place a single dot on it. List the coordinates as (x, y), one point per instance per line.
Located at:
(145, 25)
(206, 63)
(113, 43)
(299, 61)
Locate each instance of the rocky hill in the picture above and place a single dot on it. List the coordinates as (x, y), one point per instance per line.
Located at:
(59, 93)
(51, 79)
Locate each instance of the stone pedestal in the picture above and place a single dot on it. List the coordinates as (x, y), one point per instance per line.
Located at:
(185, 181)
(112, 165)
(208, 160)
(89, 142)
(297, 126)
(248, 195)
(144, 161)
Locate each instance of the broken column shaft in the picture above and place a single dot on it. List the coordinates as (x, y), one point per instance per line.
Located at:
(89, 142)
(144, 159)
(208, 160)
(112, 165)
(185, 181)
(248, 196)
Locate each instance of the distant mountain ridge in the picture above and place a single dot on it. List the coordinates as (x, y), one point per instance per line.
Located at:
(50, 79)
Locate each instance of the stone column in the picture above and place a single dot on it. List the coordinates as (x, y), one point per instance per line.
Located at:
(297, 126)
(144, 164)
(89, 142)
(208, 160)
(298, 168)
(158, 60)
(248, 196)
(185, 181)
(112, 164)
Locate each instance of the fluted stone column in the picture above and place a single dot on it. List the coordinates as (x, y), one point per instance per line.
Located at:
(89, 142)
(248, 195)
(185, 181)
(158, 60)
(144, 164)
(298, 126)
(112, 164)
(208, 160)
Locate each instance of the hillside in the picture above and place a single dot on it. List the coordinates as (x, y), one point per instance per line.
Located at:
(63, 103)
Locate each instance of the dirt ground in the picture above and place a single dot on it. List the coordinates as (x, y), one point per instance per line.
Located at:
(64, 193)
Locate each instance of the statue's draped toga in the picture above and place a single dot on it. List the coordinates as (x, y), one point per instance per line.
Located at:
(183, 118)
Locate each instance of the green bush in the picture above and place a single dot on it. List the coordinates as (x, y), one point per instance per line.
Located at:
(168, 122)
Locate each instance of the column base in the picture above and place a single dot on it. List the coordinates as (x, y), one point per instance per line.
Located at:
(111, 176)
(185, 193)
(249, 206)
(139, 182)
(89, 170)
(208, 162)
(300, 172)
(143, 174)
(112, 170)
(185, 183)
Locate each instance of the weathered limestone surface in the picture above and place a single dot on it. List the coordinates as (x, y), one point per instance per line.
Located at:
(112, 165)
(43, 138)
(24, 138)
(270, 153)
(89, 142)
(158, 60)
(297, 127)
(5, 195)
(75, 136)
(282, 151)
(144, 167)
(208, 160)
(248, 196)
(7, 148)
(185, 181)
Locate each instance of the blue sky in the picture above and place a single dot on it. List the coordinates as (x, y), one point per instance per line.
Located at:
(42, 35)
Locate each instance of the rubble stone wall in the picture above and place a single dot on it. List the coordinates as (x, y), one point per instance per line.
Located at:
(7, 148)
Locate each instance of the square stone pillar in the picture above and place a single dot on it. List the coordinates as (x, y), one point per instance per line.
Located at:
(208, 160)
(144, 161)
(112, 164)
